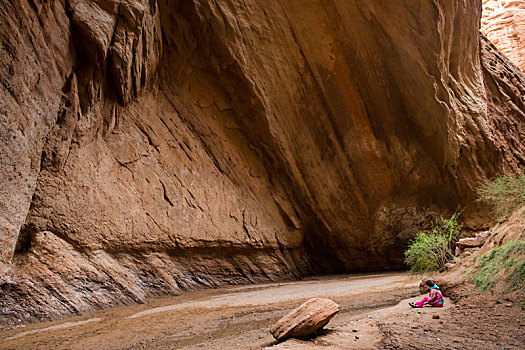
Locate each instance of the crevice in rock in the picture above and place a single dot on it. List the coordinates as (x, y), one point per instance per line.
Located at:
(165, 194)
(25, 238)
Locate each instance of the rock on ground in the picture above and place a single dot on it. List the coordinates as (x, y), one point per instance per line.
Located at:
(473, 242)
(306, 320)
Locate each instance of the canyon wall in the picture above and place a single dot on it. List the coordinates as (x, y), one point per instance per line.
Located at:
(503, 22)
(151, 147)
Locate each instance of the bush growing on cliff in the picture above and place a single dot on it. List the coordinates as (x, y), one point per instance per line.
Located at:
(506, 264)
(506, 193)
(431, 250)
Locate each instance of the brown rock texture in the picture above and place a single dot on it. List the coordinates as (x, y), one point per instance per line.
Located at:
(503, 22)
(471, 242)
(306, 320)
(151, 147)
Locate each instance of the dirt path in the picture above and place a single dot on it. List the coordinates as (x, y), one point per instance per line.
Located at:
(477, 321)
(236, 317)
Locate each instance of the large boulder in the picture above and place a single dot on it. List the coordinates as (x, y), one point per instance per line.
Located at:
(306, 320)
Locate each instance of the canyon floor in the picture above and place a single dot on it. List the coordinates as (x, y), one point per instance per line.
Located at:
(374, 314)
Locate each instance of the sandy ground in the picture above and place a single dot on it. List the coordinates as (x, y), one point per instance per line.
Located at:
(364, 331)
(477, 321)
(374, 315)
(227, 318)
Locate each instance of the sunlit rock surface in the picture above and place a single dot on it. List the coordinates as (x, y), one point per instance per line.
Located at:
(503, 22)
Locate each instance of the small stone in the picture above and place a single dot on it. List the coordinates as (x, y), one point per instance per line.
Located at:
(355, 330)
(508, 304)
(449, 266)
(356, 337)
(435, 317)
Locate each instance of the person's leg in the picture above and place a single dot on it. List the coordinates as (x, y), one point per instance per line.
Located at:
(422, 302)
(436, 305)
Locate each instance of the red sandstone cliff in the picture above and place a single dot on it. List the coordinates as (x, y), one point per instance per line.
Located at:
(503, 22)
(150, 147)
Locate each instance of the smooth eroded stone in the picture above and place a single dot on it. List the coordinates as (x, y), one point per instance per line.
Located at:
(306, 320)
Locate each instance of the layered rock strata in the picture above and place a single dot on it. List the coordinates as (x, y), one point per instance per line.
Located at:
(503, 22)
(150, 147)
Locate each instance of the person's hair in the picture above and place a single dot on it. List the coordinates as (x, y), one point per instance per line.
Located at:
(429, 283)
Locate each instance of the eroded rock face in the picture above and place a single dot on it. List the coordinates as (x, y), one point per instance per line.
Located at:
(150, 147)
(503, 22)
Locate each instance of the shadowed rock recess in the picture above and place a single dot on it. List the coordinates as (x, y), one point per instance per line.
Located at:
(152, 147)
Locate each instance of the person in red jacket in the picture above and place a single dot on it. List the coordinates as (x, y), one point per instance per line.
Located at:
(435, 297)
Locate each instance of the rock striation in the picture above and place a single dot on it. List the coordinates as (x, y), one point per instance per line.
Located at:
(503, 22)
(152, 147)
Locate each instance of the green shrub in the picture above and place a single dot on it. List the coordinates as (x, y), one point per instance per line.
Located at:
(450, 229)
(430, 251)
(506, 193)
(505, 263)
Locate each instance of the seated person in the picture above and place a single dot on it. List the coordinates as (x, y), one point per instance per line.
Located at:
(435, 297)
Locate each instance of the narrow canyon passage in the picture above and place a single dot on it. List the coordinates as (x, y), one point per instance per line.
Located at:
(151, 149)
(235, 317)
